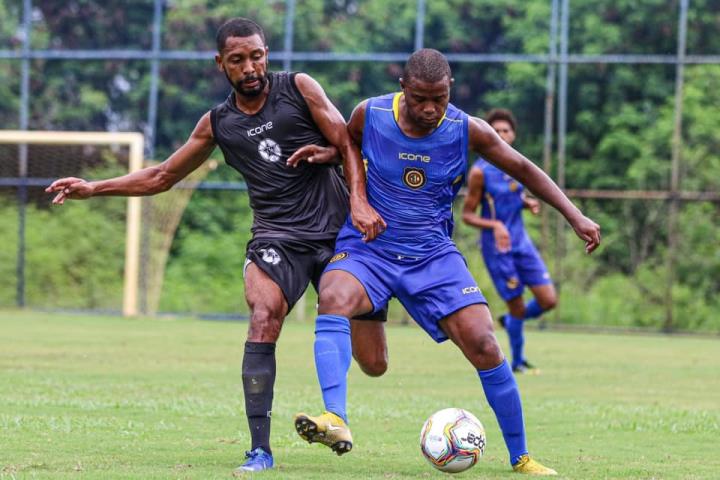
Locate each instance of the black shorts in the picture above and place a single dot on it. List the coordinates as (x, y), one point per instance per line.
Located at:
(292, 264)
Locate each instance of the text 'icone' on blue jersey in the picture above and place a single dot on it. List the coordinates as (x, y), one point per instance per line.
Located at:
(411, 183)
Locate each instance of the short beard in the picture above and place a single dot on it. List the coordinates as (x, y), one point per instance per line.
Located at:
(237, 86)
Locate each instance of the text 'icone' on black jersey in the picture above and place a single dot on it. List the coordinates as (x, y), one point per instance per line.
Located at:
(307, 202)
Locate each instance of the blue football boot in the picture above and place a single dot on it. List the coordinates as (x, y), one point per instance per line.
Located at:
(257, 460)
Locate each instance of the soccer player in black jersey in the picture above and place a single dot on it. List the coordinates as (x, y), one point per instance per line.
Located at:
(298, 196)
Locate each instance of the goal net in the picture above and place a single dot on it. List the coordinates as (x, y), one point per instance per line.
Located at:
(106, 254)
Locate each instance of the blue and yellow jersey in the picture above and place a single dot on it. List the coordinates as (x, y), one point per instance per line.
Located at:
(412, 181)
(502, 200)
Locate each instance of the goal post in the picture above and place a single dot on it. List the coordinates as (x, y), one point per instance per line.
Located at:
(135, 144)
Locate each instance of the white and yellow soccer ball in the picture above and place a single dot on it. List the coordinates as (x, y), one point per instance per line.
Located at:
(452, 440)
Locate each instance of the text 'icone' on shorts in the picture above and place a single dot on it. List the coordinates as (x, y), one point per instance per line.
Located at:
(430, 287)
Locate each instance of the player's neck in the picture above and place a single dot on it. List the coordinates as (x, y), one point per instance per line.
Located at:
(251, 105)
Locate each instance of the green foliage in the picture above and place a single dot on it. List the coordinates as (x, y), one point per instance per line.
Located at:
(8, 252)
(620, 129)
(74, 257)
(206, 272)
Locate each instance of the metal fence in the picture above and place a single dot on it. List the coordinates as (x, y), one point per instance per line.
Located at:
(558, 59)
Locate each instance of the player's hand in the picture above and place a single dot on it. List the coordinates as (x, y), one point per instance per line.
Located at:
(313, 154)
(70, 188)
(588, 231)
(366, 219)
(502, 238)
(533, 205)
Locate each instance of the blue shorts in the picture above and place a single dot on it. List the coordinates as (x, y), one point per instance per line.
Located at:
(430, 288)
(511, 271)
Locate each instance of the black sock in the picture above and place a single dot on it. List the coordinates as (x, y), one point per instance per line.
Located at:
(258, 374)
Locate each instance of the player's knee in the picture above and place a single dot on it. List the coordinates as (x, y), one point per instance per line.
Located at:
(486, 350)
(488, 345)
(265, 325)
(336, 300)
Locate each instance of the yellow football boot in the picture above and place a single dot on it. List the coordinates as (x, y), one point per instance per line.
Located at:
(532, 467)
(328, 429)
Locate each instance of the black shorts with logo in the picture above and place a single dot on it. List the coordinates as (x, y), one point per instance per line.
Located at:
(292, 264)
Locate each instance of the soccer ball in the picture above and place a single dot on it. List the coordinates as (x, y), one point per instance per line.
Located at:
(452, 440)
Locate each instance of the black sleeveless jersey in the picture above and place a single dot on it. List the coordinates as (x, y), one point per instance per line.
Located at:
(309, 202)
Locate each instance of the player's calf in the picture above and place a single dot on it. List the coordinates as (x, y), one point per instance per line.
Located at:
(374, 368)
(369, 346)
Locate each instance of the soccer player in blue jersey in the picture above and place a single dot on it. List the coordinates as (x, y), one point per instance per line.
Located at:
(416, 145)
(510, 255)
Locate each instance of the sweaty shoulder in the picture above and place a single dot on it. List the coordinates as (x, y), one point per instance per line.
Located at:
(203, 129)
(357, 121)
(476, 176)
(306, 84)
(365, 111)
(481, 135)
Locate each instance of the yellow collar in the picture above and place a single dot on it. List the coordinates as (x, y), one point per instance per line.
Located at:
(396, 109)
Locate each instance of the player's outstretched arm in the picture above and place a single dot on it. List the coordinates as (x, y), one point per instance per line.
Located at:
(148, 181)
(487, 143)
(332, 125)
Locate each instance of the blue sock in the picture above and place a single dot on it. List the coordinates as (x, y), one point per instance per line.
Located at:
(503, 395)
(514, 327)
(333, 353)
(533, 309)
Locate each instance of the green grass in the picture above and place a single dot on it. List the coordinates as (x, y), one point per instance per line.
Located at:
(104, 397)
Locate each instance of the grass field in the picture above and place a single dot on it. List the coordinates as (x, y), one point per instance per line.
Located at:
(104, 397)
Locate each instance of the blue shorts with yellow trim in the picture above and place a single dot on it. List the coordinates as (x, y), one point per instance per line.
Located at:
(512, 271)
(430, 287)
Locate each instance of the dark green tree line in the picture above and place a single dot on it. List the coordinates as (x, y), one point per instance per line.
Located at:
(620, 117)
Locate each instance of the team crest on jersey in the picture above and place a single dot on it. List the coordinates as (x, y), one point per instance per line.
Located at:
(512, 283)
(269, 150)
(339, 256)
(513, 186)
(269, 255)
(414, 177)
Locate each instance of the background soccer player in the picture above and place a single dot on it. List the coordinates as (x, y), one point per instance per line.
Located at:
(510, 255)
(298, 207)
(416, 146)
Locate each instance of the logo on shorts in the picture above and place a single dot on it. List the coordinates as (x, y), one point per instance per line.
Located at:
(269, 255)
(269, 150)
(513, 282)
(338, 256)
(472, 289)
(414, 177)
